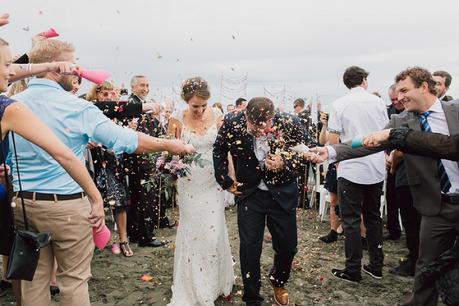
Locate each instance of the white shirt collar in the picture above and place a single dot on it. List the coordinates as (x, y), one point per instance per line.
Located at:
(357, 89)
(436, 107)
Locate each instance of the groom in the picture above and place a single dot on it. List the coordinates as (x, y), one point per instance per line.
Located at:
(266, 189)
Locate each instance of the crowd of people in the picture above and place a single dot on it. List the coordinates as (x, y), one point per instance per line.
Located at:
(69, 159)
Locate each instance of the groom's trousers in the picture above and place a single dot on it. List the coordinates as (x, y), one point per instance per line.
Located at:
(253, 213)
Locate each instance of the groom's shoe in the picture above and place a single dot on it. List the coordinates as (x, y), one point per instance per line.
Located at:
(280, 294)
(152, 244)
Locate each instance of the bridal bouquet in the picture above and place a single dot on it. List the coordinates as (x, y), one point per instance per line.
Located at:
(178, 166)
(169, 168)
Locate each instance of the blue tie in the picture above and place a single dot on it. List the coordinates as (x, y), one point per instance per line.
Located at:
(445, 184)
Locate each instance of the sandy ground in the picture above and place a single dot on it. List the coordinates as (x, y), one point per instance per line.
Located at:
(116, 279)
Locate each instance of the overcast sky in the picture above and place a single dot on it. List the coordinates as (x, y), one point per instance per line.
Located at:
(305, 45)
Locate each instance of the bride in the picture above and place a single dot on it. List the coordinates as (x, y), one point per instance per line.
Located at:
(203, 266)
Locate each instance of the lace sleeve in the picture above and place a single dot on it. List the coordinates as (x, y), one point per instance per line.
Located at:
(4, 103)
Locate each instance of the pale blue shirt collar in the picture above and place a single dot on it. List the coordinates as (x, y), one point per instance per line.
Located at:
(44, 82)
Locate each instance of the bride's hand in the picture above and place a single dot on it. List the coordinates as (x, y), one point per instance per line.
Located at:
(233, 188)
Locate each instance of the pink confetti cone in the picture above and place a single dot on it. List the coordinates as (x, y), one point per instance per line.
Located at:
(94, 76)
(101, 238)
(50, 33)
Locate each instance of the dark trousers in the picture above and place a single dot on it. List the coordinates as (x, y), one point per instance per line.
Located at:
(438, 234)
(253, 213)
(393, 224)
(142, 213)
(411, 221)
(355, 200)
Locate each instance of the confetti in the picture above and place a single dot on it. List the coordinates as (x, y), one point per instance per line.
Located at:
(146, 278)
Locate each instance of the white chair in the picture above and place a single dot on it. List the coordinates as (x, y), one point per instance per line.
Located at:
(324, 202)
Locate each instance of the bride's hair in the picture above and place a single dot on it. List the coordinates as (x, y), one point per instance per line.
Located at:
(195, 86)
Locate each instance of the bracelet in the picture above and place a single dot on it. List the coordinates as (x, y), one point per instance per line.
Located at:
(29, 69)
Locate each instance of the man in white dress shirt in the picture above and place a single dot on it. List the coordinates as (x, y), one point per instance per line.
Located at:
(360, 181)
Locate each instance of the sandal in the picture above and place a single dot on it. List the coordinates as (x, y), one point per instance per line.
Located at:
(126, 249)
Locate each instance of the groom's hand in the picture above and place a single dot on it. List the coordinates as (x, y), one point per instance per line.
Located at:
(319, 155)
(274, 163)
(233, 188)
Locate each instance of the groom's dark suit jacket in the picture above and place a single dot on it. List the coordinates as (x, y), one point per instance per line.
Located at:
(287, 131)
(422, 172)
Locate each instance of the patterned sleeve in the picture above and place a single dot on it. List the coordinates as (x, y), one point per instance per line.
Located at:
(4, 103)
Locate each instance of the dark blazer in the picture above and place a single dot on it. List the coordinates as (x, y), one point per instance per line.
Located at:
(426, 144)
(233, 137)
(150, 126)
(119, 110)
(422, 172)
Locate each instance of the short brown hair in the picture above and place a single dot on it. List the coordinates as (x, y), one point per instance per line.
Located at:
(195, 86)
(298, 102)
(418, 75)
(259, 110)
(354, 76)
(445, 75)
(49, 50)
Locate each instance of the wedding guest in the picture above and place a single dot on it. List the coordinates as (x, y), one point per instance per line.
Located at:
(230, 108)
(147, 210)
(241, 104)
(74, 121)
(435, 191)
(392, 206)
(110, 176)
(360, 181)
(21, 121)
(218, 106)
(443, 82)
(331, 184)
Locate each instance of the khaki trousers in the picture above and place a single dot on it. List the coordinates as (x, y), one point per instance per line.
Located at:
(71, 244)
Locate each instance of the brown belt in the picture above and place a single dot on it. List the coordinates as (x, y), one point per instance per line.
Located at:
(450, 198)
(50, 196)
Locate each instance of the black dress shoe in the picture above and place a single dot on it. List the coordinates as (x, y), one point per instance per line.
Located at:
(332, 236)
(405, 268)
(391, 237)
(168, 224)
(153, 243)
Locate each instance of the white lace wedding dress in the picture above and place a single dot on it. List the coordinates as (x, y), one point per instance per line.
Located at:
(203, 266)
